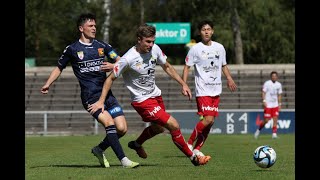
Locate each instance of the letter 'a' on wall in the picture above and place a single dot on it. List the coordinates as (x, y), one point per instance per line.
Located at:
(172, 33)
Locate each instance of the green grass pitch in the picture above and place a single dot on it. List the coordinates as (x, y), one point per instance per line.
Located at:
(69, 157)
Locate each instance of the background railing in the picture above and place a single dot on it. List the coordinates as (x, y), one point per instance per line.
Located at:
(64, 95)
(47, 122)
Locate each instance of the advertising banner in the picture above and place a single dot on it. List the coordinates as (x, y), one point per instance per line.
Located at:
(238, 122)
(172, 33)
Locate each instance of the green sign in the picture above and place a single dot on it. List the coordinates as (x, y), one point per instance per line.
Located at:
(172, 33)
(29, 62)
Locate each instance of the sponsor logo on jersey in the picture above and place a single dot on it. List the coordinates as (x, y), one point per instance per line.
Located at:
(217, 55)
(138, 65)
(153, 60)
(209, 108)
(90, 65)
(100, 51)
(80, 54)
(210, 68)
(204, 55)
(155, 110)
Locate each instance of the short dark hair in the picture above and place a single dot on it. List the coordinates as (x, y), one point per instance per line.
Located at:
(202, 23)
(84, 18)
(273, 72)
(146, 30)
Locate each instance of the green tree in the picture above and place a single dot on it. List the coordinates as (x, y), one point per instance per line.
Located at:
(265, 28)
(51, 25)
(269, 32)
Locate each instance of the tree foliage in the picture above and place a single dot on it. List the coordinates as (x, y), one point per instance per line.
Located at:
(267, 26)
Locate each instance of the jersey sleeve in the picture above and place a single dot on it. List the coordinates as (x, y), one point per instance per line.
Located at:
(223, 55)
(280, 89)
(110, 53)
(264, 87)
(64, 58)
(191, 57)
(120, 67)
(161, 57)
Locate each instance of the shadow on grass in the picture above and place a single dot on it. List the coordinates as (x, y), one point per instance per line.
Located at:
(176, 156)
(86, 166)
(263, 170)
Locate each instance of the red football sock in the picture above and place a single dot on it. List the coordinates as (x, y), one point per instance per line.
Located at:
(179, 141)
(146, 134)
(274, 129)
(202, 137)
(261, 125)
(196, 131)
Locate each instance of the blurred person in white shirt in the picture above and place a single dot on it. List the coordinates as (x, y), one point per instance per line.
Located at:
(271, 99)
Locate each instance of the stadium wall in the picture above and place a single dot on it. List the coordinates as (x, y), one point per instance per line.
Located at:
(46, 121)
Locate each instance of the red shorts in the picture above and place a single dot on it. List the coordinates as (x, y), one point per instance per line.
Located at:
(208, 105)
(152, 110)
(271, 112)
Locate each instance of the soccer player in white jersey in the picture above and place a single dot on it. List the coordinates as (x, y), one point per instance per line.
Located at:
(137, 67)
(271, 99)
(209, 61)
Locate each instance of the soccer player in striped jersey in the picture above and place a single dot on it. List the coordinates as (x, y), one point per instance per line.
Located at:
(137, 67)
(209, 61)
(89, 60)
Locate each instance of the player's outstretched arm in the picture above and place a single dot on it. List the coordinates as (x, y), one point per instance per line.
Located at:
(279, 101)
(231, 84)
(53, 76)
(185, 73)
(106, 87)
(169, 69)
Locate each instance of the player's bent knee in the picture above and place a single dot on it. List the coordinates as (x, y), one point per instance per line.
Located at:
(121, 132)
(172, 124)
(158, 129)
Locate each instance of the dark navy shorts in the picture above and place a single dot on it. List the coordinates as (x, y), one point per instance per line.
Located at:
(111, 105)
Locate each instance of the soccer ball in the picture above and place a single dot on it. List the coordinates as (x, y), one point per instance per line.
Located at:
(264, 156)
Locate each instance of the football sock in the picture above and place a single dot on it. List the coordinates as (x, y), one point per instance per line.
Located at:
(104, 144)
(114, 141)
(179, 141)
(202, 137)
(274, 129)
(146, 134)
(196, 131)
(261, 125)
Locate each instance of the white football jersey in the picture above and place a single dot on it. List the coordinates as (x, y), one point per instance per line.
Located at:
(272, 91)
(207, 62)
(138, 72)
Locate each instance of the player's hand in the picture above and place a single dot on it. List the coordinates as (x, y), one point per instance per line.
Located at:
(231, 85)
(186, 91)
(92, 108)
(106, 67)
(45, 89)
(264, 104)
